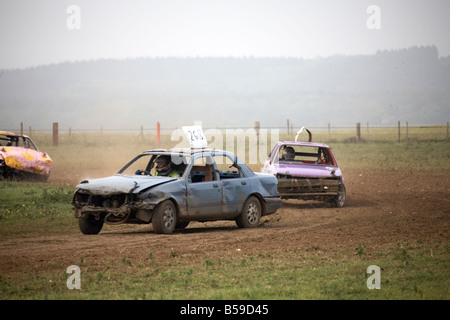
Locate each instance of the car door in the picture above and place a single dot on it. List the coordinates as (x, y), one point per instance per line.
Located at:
(204, 190)
(236, 187)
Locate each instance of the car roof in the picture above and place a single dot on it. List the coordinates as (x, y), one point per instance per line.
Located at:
(191, 152)
(299, 143)
(184, 151)
(12, 134)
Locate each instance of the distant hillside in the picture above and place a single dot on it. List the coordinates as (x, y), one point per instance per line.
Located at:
(409, 85)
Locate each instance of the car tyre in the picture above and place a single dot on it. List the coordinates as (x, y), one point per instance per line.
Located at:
(90, 225)
(339, 200)
(251, 213)
(165, 218)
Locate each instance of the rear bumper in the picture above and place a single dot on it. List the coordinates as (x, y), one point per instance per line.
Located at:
(272, 205)
(305, 188)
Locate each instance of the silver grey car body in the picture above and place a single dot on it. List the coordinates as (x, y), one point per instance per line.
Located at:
(204, 192)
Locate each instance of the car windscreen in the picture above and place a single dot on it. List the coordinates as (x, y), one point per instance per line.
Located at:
(305, 155)
(144, 164)
(17, 141)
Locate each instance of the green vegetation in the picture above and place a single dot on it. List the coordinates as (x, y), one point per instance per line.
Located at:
(408, 272)
(427, 156)
(30, 209)
(107, 153)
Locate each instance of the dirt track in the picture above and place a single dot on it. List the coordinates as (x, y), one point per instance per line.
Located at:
(382, 209)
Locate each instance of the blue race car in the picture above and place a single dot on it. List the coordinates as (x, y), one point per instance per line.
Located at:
(170, 188)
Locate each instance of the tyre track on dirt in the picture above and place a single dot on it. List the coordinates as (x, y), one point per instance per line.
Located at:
(383, 209)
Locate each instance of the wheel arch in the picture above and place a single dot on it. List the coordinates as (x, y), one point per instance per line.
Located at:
(261, 201)
(173, 200)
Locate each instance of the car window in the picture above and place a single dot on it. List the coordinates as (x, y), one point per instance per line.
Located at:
(15, 141)
(298, 153)
(140, 163)
(145, 164)
(305, 155)
(325, 157)
(3, 140)
(202, 170)
(27, 143)
(9, 141)
(227, 168)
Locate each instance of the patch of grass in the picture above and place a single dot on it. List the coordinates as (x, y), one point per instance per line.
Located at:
(424, 156)
(33, 199)
(292, 275)
(408, 270)
(28, 208)
(101, 155)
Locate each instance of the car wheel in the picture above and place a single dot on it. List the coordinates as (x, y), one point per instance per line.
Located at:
(251, 214)
(165, 218)
(339, 200)
(90, 225)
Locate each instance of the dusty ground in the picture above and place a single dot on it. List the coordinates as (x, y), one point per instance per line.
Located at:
(383, 209)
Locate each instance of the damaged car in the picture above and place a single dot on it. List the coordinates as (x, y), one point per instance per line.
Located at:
(306, 171)
(170, 188)
(20, 158)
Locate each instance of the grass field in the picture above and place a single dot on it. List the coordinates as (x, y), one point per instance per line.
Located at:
(410, 269)
(107, 153)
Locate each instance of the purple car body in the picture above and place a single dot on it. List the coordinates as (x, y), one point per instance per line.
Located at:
(306, 171)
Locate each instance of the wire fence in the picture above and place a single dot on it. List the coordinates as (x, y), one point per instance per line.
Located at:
(359, 133)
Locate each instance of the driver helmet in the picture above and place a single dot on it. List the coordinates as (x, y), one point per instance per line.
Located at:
(288, 153)
(164, 165)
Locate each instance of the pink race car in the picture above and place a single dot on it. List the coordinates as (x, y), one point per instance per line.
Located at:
(306, 171)
(20, 158)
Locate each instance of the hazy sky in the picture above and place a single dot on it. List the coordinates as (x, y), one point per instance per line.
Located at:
(42, 31)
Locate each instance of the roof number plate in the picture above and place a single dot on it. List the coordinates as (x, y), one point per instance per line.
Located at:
(195, 137)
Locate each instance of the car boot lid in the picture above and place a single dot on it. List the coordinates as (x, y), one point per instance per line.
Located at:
(305, 171)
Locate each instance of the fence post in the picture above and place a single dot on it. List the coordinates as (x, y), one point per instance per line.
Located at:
(447, 130)
(406, 130)
(256, 127)
(329, 133)
(287, 123)
(368, 134)
(55, 133)
(158, 133)
(21, 128)
(358, 132)
(398, 131)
